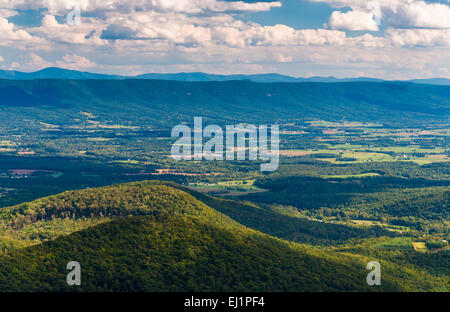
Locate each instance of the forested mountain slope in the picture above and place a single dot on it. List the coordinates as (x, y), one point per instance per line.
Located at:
(146, 102)
(169, 253)
(150, 236)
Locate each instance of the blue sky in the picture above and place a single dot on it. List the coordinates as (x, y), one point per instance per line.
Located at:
(294, 13)
(391, 39)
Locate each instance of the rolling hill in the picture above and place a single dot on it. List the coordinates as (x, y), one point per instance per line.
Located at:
(155, 237)
(50, 217)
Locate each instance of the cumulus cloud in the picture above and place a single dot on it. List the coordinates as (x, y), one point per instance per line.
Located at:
(9, 32)
(419, 37)
(127, 6)
(180, 29)
(409, 22)
(7, 13)
(83, 34)
(281, 58)
(73, 61)
(422, 14)
(398, 13)
(278, 35)
(353, 20)
(32, 61)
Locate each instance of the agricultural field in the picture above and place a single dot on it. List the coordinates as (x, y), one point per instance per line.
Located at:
(228, 188)
(398, 243)
(360, 142)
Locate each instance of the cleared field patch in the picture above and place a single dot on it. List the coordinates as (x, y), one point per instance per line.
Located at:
(230, 188)
(420, 247)
(345, 124)
(99, 139)
(6, 150)
(428, 160)
(295, 153)
(365, 222)
(343, 154)
(361, 157)
(6, 143)
(396, 243)
(408, 149)
(438, 158)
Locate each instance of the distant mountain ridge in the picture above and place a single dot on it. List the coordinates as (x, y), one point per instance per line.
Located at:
(60, 73)
(147, 102)
(53, 73)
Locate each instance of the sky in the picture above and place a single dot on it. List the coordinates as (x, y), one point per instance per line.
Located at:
(389, 39)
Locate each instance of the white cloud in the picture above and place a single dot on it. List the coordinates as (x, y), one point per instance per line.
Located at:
(7, 13)
(399, 13)
(31, 61)
(422, 14)
(281, 58)
(127, 6)
(49, 21)
(9, 32)
(180, 29)
(87, 33)
(353, 20)
(72, 61)
(278, 35)
(419, 37)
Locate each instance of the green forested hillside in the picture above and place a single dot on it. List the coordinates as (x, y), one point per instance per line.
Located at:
(284, 226)
(59, 101)
(417, 203)
(168, 253)
(152, 236)
(49, 217)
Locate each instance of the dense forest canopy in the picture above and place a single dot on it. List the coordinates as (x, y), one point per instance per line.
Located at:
(162, 238)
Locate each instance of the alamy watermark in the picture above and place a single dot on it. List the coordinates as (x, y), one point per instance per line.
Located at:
(230, 144)
(374, 276)
(74, 276)
(74, 16)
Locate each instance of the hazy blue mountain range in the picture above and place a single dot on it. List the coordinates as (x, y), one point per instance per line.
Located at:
(59, 73)
(52, 73)
(435, 81)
